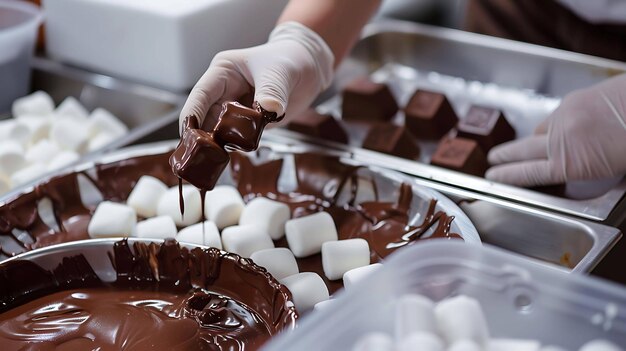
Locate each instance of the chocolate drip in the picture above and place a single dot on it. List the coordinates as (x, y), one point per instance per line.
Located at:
(164, 296)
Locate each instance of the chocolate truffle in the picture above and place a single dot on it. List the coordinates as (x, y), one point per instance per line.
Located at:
(460, 154)
(429, 115)
(487, 126)
(319, 126)
(391, 139)
(364, 100)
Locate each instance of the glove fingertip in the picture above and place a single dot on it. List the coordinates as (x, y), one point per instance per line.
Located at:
(271, 104)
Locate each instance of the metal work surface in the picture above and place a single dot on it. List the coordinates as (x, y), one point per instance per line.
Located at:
(523, 80)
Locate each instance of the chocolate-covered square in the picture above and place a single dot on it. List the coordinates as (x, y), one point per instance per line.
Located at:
(239, 127)
(364, 100)
(198, 159)
(393, 140)
(428, 115)
(319, 126)
(460, 154)
(487, 126)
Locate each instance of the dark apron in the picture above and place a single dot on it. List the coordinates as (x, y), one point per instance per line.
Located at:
(546, 23)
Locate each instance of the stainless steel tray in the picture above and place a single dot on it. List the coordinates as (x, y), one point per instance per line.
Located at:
(385, 182)
(143, 109)
(525, 81)
(558, 240)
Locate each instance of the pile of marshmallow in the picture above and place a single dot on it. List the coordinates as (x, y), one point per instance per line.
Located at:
(248, 230)
(41, 138)
(453, 324)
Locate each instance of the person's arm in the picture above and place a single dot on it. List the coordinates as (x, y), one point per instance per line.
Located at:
(292, 68)
(338, 22)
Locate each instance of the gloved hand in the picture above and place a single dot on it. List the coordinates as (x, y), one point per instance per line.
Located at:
(285, 74)
(583, 139)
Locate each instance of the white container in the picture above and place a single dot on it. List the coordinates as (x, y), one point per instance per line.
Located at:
(521, 299)
(19, 22)
(165, 43)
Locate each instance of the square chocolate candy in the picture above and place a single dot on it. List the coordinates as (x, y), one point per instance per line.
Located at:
(393, 140)
(487, 126)
(317, 125)
(460, 154)
(364, 100)
(428, 115)
(239, 127)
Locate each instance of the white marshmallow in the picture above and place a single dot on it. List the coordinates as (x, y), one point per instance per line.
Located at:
(414, 313)
(223, 205)
(460, 318)
(144, 198)
(306, 235)
(513, 345)
(72, 109)
(600, 345)
(12, 130)
(112, 219)
(244, 240)
(355, 275)
(64, 158)
(38, 127)
(27, 174)
(169, 205)
(322, 305)
(552, 348)
(103, 121)
(11, 157)
(100, 140)
(43, 151)
(5, 184)
(161, 227)
(70, 135)
(374, 342)
(199, 235)
(267, 214)
(307, 290)
(338, 257)
(421, 341)
(464, 345)
(38, 102)
(279, 261)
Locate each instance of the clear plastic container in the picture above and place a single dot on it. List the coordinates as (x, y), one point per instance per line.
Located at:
(19, 22)
(520, 298)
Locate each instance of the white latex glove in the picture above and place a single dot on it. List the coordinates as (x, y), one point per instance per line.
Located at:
(285, 74)
(583, 139)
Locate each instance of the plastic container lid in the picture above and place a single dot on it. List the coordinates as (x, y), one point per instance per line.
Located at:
(520, 298)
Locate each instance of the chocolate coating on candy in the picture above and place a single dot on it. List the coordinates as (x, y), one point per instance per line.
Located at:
(393, 140)
(460, 154)
(487, 126)
(200, 157)
(428, 115)
(164, 295)
(319, 126)
(364, 100)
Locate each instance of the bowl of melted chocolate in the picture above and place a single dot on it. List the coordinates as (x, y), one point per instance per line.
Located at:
(386, 208)
(131, 294)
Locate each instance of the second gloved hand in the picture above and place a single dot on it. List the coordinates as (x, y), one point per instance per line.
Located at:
(285, 74)
(583, 139)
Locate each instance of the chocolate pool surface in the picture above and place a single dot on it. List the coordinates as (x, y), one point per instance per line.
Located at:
(164, 297)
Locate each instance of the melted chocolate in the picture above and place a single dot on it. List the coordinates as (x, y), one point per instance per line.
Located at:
(320, 181)
(164, 296)
(383, 224)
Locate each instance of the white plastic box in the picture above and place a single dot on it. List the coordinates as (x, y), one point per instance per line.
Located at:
(520, 298)
(164, 43)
